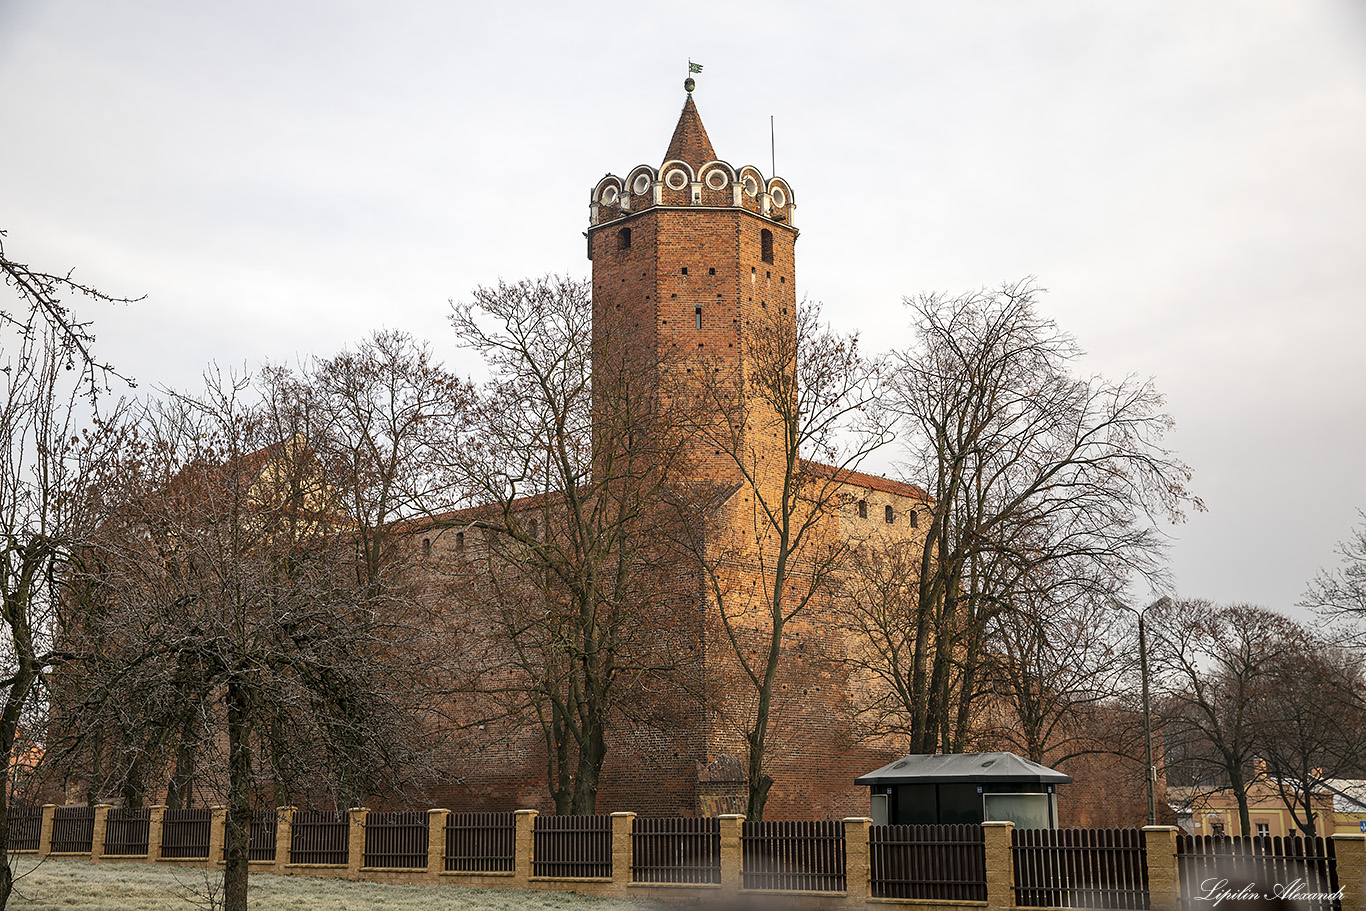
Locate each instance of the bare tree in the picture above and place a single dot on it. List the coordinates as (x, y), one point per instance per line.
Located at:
(791, 421)
(1212, 666)
(1310, 722)
(1035, 475)
(1340, 594)
(574, 445)
(225, 561)
(49, 385)
(1050, 666)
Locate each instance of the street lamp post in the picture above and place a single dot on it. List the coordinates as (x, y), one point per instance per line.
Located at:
(1149, 769)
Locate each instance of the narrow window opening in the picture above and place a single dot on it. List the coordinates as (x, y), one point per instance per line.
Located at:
(863, 509)
(766, 245)
(624, 239)
(459, 540)
(531, 526)
(685, 270)
(915, 519)
(711, 271)
(426, 547)
(889, 515)
(697, 312)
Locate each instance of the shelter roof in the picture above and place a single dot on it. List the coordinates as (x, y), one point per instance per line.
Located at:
(866, 481)
(963, 768)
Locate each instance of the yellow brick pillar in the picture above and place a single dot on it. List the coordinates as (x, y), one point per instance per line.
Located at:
(1350, 849)
(45, 832)
(524, 848)
(156, 820)
(284, 836)
(732, 854)
(622, 854)
(857, 858)
(218, 834)
(355, 843)
(1164, 882)
(436, 843)
(97, 838)
(1000, 862)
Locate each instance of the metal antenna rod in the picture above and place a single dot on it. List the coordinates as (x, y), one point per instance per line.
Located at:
(772, 149)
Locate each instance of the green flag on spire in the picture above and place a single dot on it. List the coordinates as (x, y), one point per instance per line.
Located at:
(694, 67)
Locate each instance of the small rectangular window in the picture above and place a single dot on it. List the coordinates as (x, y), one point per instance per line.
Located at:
(915, 519)
(698, 313)
(863, 509)
(711, 271)
(685, 270)
(459, 540)
(890, 515)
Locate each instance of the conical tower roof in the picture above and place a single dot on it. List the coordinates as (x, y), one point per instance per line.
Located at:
(690, 142)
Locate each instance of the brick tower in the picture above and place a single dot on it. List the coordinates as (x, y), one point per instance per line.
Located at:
(689, 260)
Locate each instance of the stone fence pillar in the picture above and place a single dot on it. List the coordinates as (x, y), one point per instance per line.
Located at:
(1000, 864)
(1350, 849)
(857, 870)
(156, 819)
(436, 843)
(355, 842)
(622, 854)
(284, 836)
(45, 832)
(1164, 883)
(732, 853)
(97, 835)
(524, 848)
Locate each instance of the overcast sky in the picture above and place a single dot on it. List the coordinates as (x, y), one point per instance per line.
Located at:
(1187, 179)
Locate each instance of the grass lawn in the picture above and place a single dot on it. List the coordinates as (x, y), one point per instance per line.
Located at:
(68, 885)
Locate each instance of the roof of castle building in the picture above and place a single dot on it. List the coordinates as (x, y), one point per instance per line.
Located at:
(690, 142)
(866, 481)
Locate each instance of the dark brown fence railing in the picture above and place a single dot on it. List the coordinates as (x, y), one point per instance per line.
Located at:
(262, 843)
(125, 831)
(1300, 870)
(481, 842)
(934, 863)
(798, 855)
(185, 833)
(319, 837)
(73, 830)
(573, 847)
(676, 850)
(396, 841)
(1080, 868)
(25, 828)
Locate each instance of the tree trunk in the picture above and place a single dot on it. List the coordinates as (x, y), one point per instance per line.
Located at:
(237, 837)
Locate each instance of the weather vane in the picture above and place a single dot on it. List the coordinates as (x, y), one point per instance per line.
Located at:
(688, 83)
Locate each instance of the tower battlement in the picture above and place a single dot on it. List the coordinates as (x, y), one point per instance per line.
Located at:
(677, 184)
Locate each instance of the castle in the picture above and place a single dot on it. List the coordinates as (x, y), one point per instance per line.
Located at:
(694, 264)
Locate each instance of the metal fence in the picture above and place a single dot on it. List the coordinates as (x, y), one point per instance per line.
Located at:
(319, 837)
(185, 833)
(73, 830)
(481, 842)
(1080, 868)
(261, 845)
(573, 846)
(1299, 870)
(676, 850)
(396, 841)
(25, 828)
(943, 863)
(805, 855)
(126, 830)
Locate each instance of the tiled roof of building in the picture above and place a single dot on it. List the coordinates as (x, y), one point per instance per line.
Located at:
(690, 142)
(866, 481)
